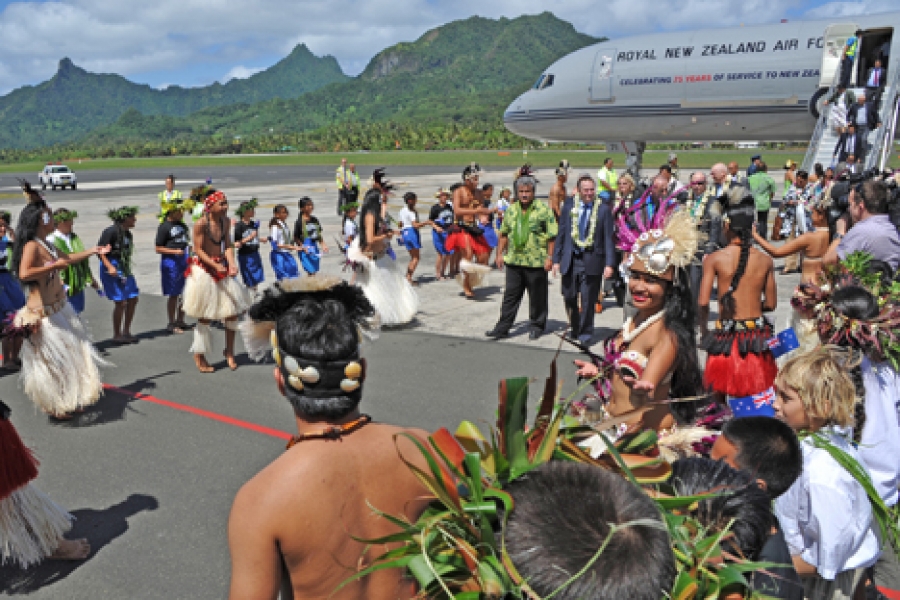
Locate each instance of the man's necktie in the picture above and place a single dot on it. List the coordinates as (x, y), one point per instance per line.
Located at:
(583, 221)
(877, 73)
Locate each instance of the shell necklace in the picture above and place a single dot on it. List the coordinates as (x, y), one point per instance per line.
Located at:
(628, 335)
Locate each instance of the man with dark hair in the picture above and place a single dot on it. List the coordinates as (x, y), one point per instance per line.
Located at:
(291, 525)
(872, 229)
(848, 144)
(585, 254)
(563, 512)
(767, 449)
(526, 244)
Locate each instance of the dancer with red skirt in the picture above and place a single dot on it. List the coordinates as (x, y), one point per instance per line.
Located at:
(465, 237)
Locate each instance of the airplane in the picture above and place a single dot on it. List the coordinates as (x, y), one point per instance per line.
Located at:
(756, 83)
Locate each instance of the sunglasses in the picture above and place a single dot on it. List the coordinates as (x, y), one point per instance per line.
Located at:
(698, 183)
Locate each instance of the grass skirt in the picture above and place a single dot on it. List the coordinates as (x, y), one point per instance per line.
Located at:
(386, 288)
(740, 376)
(208, 300)
(477, 273)
(60, 364)
(31, 526)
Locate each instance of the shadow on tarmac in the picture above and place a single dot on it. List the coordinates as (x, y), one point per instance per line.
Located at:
(100, 527)
(112, 406)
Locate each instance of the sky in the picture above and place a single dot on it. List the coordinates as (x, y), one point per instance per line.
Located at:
(196, 42)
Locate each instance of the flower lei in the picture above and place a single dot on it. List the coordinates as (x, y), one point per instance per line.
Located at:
(576, 235)
(698, 208)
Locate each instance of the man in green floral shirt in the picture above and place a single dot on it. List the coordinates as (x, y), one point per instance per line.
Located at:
(526, 245)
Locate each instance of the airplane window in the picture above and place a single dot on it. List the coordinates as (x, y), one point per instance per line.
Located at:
(537, 84)
(548, 81)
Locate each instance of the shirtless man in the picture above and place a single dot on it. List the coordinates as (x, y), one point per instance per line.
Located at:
(744, 277)
(212, 292)
(466, 238)
(558, 192)
(291, 525)
(56, 378)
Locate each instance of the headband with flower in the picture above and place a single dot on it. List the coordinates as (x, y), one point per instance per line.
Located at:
(63, 215)
(123, 212)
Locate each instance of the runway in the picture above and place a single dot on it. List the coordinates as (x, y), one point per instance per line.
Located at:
(152, 469)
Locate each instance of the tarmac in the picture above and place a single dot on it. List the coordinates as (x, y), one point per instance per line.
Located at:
(150, 471)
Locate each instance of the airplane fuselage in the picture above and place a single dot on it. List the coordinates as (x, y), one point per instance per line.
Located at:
(745, 83)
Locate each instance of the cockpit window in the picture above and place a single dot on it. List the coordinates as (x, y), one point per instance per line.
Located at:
(548, 81)
(537, 84)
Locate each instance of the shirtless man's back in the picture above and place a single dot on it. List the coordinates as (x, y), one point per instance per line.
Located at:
(305, 506)
(557, 195)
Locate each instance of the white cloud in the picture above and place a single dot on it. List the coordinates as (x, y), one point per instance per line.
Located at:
(241, 72)
(195, 42)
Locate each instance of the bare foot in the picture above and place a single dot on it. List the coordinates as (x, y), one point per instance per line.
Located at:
(72, 550)
(130, 338)
(202, 365)
(121, 339)
(229, 358)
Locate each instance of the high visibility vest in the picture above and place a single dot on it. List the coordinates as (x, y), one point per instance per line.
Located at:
(176, 196)
(852, 47)
(352, 178)
(610, 177)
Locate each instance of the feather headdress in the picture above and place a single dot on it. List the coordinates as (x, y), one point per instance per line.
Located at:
(563, 169)
(662, 251)
(29, 192)
(379, 176)
(472, 171)
(628, 231)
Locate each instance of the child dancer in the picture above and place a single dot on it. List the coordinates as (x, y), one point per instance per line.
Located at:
(118, 280)
(283, 262)
(173, 240)
(503, 203)
(350, 232)
(441, 217)
(409, 236)
(308, 236)
(78, 276)
(11, 296)
(826, 515)
(486, 222)
(247, 240)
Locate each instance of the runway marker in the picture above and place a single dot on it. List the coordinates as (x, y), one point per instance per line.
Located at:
(200, 412)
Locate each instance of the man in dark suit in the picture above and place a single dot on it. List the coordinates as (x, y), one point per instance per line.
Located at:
(584, 253)
(864, 116)
(848, 143)
(875, 83)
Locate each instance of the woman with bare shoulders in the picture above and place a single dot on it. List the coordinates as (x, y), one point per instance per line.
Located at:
(654, 356)
(811, 246)
(59, 363)
(387, 289)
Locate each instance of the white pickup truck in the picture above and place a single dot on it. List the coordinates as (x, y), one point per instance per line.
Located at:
(57, 176)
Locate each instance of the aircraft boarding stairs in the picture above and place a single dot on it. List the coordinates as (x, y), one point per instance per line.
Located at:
(881, 140)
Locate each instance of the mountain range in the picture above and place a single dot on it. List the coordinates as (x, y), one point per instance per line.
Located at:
(462, 73)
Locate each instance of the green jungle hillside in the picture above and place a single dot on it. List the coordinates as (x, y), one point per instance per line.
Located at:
(448, 89)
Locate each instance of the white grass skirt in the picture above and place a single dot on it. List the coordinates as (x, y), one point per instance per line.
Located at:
(386, 288)
(208, 300)
(31, 526)
(477, 273)
(60, 364)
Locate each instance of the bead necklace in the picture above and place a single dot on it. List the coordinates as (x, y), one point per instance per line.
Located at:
(334, 432)
(629, 336)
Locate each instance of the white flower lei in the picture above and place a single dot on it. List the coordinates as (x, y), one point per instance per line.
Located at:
(576, 235)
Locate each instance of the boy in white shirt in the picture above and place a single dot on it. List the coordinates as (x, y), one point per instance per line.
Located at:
(826, 516)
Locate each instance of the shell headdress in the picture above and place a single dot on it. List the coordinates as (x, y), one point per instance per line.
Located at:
(661, 251)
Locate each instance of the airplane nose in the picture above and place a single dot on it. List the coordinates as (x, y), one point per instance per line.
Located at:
(515, 116)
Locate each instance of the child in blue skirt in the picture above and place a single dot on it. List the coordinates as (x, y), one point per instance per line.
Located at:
(11, 297)
(308, 236)
(75, 277)
(116, 275)
(173, 242)
(247, 240)
(283, 262)
(486, 223)
(441, 218)
(409, 234)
